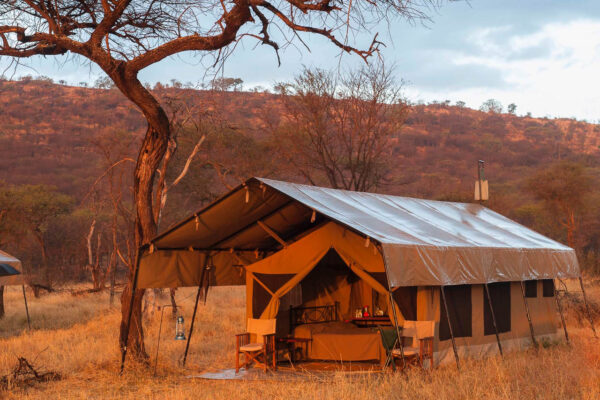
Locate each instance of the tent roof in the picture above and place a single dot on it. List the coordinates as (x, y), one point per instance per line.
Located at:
(7, 270)
(422, 241)
(416, 222)
(6, 258)
(9, 264)
(388, 219)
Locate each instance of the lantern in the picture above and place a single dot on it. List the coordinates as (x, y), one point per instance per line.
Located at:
(179, 329)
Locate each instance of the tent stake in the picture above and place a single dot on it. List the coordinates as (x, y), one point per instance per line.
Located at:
(562, 317)
(487, 291)
(133, 289)
(528, 315)
(162, 309)
(450, 326)
(587, 307)
(26, 307)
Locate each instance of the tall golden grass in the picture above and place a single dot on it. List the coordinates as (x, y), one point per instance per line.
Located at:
(77, 337)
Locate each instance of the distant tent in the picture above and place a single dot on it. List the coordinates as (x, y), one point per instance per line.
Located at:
(10, 263)
(11, 275)
(297, 246)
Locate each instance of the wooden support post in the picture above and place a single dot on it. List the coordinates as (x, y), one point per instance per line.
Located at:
(26, 307)
(138, 256)
(272, 233)
(562, 317)
(450, 327)
(528, 315)
(487, 291)
(587, 307)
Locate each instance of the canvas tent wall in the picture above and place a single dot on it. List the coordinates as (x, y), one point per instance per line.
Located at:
(414, 243)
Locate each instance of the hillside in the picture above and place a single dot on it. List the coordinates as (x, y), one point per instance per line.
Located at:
(47, 133)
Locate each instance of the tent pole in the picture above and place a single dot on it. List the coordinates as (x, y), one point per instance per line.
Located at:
(528, 315)
(450, 326)
(562, 317)
(133, 289)
(399, 337)
(187, 345)
(393, 305)
(487, 291)
(162, 309)
(587, 307)
(26, 307)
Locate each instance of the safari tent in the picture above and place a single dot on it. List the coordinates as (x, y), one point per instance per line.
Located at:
(311, 257)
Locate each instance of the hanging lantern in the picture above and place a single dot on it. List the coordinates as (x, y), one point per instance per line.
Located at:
(179, 329)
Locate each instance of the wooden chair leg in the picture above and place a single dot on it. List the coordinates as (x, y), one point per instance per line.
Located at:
(237, 362)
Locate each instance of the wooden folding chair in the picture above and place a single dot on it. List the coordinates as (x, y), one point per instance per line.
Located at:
(262, 351)
(420, 349)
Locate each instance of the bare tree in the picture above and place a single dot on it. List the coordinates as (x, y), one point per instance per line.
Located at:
(123, 37)
(338, 128)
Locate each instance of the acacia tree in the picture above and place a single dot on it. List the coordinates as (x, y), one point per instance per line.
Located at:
(123, 37)
(564, 189)
(338, 128)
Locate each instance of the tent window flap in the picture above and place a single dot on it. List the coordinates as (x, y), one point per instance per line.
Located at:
(500, 294)
(460, 309)
(406, 298)
(531, 288)
(548, 287)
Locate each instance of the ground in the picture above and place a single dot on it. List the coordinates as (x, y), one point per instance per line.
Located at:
(76, 336)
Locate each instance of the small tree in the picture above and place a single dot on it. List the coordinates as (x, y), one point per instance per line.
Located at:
(563, 190)
(340, 130)
(491, 106)
(34, 206)
(512, 108)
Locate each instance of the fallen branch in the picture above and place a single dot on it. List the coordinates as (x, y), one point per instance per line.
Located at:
(25, 375)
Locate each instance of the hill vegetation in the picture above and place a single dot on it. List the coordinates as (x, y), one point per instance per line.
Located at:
(63, 138)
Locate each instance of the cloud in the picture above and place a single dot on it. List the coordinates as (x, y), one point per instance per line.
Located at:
(552, 70)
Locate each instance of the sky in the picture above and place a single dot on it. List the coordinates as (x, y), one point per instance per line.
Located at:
(543, 56)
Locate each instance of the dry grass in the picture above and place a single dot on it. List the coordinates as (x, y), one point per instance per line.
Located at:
(76, 336)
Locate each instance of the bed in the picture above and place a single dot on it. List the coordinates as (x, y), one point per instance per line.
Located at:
(332, 339)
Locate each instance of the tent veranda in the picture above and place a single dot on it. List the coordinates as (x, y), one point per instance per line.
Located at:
(266, 227)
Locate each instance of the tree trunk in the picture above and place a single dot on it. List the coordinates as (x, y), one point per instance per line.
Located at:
(2, 302)
(40, 238)
(135, 344)
(151, 153)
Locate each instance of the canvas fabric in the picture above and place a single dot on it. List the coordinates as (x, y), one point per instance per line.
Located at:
(15, 280)
(301, 257)
(260, 327)
(543, 313)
